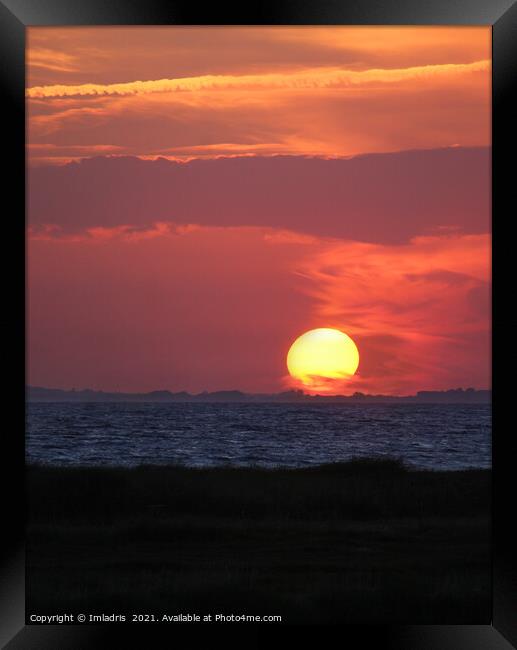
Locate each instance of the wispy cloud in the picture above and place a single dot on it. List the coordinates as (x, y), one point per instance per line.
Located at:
(49, 59)
(312, 79)
(419, 312)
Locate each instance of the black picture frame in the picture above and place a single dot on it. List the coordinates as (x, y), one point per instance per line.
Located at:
(15, 16)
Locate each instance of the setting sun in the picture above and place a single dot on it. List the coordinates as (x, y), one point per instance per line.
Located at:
(322, 355)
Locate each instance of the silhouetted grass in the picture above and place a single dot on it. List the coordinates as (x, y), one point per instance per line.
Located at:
(364, 541)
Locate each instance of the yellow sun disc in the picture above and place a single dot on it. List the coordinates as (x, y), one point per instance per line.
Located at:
(322, 353)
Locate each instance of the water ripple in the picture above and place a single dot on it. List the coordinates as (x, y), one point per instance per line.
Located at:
(266, 435)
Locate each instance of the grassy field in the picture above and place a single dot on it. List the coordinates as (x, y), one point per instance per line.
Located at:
(359, 542)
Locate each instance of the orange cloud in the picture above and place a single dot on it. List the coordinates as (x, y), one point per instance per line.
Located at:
(51, 60)
(322, 91)
(332, 121)
(310, 79)
(113, 54)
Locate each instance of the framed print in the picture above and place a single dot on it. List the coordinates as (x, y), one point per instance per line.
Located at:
(252, 285)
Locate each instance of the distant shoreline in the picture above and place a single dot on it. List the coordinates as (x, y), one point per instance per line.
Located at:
(452, 396)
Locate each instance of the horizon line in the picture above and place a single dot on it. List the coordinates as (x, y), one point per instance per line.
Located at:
(293, 391)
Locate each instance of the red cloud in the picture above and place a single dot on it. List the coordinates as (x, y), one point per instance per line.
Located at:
(418, 312)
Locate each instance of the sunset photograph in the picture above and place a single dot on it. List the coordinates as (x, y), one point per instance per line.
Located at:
(259, 323)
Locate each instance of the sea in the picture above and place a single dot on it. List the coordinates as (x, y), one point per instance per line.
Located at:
(423, 436)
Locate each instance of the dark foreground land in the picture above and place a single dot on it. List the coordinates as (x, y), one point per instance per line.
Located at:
(365, 541)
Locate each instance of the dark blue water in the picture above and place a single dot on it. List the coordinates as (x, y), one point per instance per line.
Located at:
(268, 435)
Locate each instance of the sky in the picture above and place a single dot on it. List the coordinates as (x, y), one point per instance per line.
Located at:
(198, 197)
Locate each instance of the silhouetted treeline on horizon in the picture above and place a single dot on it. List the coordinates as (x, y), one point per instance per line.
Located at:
(452, 396)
